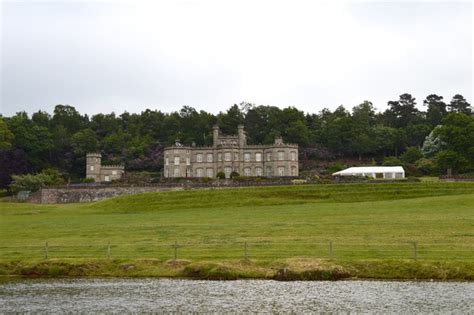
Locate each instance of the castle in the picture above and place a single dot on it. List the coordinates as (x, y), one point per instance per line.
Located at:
(231, 154)
(99, 172)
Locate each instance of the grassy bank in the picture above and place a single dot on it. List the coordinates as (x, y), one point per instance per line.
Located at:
(299, 232)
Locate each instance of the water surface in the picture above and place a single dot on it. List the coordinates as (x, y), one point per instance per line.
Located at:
(148, 295)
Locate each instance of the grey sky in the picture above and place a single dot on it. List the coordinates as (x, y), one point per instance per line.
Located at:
(133, 55)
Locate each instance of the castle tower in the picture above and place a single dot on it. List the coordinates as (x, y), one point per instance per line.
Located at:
(93, 166)
(242, 136)
(215, 136)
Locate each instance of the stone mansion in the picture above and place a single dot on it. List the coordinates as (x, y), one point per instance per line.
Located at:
(231, 154)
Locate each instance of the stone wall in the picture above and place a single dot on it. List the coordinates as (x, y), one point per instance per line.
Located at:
(96, 192)
(89, 194)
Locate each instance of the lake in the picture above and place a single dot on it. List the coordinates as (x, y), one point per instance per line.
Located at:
(170, 295)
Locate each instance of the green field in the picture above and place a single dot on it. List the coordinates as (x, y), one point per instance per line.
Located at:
(371, 229)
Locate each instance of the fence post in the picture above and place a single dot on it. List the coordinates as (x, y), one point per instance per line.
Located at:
(330, 250)
(108, 250)
(415, 251)
(246, 253)
(46, 250)
(175, 246)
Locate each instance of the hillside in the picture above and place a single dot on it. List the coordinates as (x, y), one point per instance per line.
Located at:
(368, 226)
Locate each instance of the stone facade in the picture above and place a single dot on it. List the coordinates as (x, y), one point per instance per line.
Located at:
(99, 172)
(231, 154)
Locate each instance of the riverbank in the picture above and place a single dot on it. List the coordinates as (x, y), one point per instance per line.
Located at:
(284, 270)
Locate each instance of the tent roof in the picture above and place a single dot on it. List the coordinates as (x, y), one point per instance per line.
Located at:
(370, 169)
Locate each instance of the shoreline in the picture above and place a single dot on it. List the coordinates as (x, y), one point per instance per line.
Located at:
(304, 269)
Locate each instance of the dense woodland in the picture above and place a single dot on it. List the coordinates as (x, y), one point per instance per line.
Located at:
(427, 141)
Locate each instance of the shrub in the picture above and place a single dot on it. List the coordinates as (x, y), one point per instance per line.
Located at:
(220, 175)
(336, 167)
(298, 181)
(427, 167)
(234, 175)
(88, 180)
(32, 182)
(391, 161)
(411, 155)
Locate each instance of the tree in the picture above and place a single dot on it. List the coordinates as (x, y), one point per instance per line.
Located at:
(451, 160)
(385, 139)
(6, 136)
(35, 141)
(459, 105)
(363, 118)
(42, 118)
(432, 144)
(229, 121)
(457, 142)
(11, 162)
(411, 155)
(436, 109)
(84, 142)
(402, 112)
(69, 117)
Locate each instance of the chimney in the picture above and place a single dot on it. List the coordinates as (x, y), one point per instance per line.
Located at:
(215, 135)
(242, 137)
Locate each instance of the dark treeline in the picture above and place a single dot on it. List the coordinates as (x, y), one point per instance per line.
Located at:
(30, 144)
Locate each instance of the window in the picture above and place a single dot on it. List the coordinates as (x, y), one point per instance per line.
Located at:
(258, 157)
(219, 157)
(236, 156)
(107, 178)
(281, 155)
(269, 156)
(92, 167)
(210, 173)
(227, 171)
(199, 172)
(176, 172)
(281, 171)
(114, 172)
(176, 160)
(188, 161)
(167, 162)
(209, 157)
(293, 156)
(247, 171)
(227, 156)
(247, 157)
(199, 157)
(293, 171)
(258, 171)
(269, 171)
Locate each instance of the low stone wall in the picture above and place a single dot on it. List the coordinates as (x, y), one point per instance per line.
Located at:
(70, 195)
(100, 191)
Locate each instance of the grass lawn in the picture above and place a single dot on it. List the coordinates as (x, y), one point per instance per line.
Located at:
(371, 227)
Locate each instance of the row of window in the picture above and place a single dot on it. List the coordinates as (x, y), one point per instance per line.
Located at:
(209, 172)
(228, 157)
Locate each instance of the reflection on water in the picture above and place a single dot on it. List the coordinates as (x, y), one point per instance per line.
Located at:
(146, 295)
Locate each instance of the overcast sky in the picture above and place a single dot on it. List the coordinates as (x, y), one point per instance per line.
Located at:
(133, 55)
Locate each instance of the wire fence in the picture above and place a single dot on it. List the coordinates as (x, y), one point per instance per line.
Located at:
(242, 250)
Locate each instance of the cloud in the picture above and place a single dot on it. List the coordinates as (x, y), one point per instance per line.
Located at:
(104, 56)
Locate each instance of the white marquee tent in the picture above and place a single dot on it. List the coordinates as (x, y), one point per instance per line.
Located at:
(388, 172)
